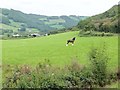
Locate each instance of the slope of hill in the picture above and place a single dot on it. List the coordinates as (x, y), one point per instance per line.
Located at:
(17, 19)
(105, 22)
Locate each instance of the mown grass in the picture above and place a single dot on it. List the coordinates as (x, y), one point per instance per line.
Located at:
(35, 50)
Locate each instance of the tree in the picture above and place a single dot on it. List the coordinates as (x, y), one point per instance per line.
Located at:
(22, 29)
(5, 20)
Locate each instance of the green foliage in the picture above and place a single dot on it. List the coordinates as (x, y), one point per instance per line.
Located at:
(43, 76)
(74, 29)
(5, 20)
(69, 21)
(99, 59)
(7, 31)
(63, 30)
(94, 33)
(105, 22)
(22, 29)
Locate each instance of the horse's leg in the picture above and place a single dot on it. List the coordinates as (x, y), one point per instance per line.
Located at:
(67, 43)
(72, 43)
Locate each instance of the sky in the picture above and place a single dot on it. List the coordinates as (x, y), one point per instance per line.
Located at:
(59, 7)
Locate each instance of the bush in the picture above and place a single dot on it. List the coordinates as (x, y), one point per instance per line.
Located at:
(118, 73)
(73, 75)
(43, 76)
(94, 33)
(99, 59)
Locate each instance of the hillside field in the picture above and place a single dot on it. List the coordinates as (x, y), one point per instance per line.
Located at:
(53, 48)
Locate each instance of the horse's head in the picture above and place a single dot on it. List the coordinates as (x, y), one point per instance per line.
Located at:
(73, 38)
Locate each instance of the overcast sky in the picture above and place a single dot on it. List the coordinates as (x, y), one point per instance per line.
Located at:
(59, 7)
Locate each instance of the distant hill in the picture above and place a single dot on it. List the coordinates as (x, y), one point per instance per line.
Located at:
(105, 22)
(13, 19)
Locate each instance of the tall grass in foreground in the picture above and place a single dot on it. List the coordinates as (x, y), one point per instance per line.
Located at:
(44, 75)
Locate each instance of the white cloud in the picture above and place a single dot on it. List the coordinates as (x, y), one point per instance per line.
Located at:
(59, 7)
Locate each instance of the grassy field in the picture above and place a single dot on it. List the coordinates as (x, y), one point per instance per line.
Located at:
(35, 50)
(4, 26)
(15, 26)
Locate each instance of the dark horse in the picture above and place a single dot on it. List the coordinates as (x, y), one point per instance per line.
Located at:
(70, 41)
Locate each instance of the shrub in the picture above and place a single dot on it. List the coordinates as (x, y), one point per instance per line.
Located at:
(99, 59)
(112, 77)
(118, 73)
(94, 33)
(72, 77)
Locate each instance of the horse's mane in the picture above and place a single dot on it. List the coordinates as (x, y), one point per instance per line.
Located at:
(73, 38)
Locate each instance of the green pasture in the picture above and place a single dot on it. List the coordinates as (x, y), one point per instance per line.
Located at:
(53, 48)
(55, 21)
(57, 26)
(15, 24)
(4, 26)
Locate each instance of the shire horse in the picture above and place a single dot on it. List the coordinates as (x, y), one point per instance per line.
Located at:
(71, 41)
